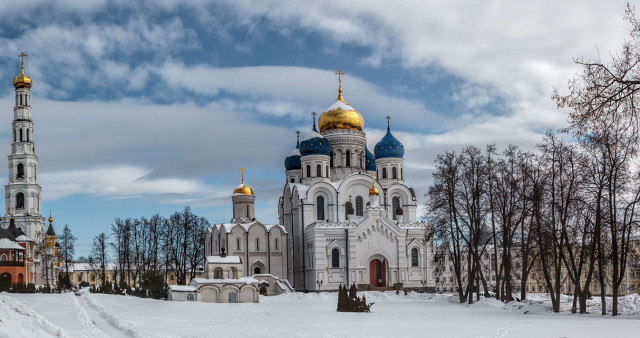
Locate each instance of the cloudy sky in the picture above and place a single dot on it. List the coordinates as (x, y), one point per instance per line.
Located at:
(143, 107)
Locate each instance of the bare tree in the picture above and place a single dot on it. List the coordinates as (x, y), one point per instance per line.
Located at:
(67, 247)
(99, 257)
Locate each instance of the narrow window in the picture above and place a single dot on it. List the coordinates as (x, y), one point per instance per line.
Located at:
(331, 159)
(401, 174)
(20, 173)
(248, 215)
(395, 204)
(348, 158)
(291, 180)
(394, 173)
(335, 258)
(217, 273)
(327, 175)
(319, 208)
(20, 134)
(384, 172)
(318, 170)
(308, 170)
(359, 206)
(276, 244)
(257, 244)
(237, 243)
(20, 201)
(14, 135)
(414, 257)
(256, 270)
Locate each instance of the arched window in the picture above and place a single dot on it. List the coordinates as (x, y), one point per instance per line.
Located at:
(20, 173)
(234, 273)
(248, 215)
(394, 173)
(20, 201)
(348, 158)
(401, 174)
(292, 180)
(218, 273)
(308, 170)
(359, 206)
(395, 204)
(320, 208)
(20, 278)
(3, 257)
(257, 244)
(190, 297)
(384, 172)
(318, 170)
(335, 258)
(414, 257)
(331, 159)
(327, 175)
(348, 209)
(20, 134)
(256, 270)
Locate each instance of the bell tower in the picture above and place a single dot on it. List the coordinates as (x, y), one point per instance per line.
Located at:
(22, 193)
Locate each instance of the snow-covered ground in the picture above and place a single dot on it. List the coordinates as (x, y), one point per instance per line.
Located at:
(306, 315)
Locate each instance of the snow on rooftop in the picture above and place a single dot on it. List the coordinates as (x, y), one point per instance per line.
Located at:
(23, 238)
(312, 134)
(224, 260)
(339, 105)
(6, 243)
(294, 152)
(185, 288)
(241, 280)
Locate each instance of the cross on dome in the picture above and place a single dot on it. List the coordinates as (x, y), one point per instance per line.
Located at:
(388, 119)
(21, 56)
(314, 119)
(242, 173)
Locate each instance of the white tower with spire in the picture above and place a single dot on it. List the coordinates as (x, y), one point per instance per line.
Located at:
(22, 193)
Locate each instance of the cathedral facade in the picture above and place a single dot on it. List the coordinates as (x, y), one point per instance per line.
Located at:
(348, 213)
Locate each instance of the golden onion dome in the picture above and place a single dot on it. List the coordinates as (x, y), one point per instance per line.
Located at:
(340, 115)
(374, 190)
(22, 81)
(243, 189)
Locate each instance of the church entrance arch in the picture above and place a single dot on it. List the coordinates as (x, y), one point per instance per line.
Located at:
(378, 272)
(5, 281)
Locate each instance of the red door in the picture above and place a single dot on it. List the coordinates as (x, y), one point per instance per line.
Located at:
(378, 272)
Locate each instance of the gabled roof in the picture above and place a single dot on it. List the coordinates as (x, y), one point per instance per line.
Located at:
(9, 244)
(224, 260)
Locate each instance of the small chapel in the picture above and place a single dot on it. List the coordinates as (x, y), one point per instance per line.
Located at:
(349, 216)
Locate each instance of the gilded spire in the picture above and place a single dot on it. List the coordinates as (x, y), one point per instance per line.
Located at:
(50, 218)
(340, 73)
(373, 191)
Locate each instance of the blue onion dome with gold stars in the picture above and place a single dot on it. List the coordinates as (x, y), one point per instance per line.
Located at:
(315, 144)
(292, 161)
(370, 164)
(389, 147)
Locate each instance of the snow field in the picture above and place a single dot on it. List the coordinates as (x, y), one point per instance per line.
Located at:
(314, 315)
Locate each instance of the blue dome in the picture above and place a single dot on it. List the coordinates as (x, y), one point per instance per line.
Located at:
(370, 160)
(292, 161)
(315, 144)
(389, 146)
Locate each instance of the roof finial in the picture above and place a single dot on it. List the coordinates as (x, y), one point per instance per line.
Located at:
(242, 171)
(340, 73)
(21, 56)
(314, 120)
(373, 191)
(50, 218)
(388, 119)
(298, 138)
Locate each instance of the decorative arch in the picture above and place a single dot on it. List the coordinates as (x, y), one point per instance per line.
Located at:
(415, 257)
(335, 258)
(19, 200)
(257, 267)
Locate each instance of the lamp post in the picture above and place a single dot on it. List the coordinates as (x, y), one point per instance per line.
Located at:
(424, 286)
(319, 283)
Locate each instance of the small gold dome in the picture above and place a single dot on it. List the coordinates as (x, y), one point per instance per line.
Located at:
(243, 189)
(22, 81)
(50, 219)
(340, 115)
(374, 190)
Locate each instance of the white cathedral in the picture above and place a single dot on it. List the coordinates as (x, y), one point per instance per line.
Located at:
(345, 214)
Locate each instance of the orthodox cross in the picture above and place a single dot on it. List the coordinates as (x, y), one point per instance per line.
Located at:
(339, 72)
(242, 171)
(298, 136)
(388, 119)
(314, 118)
(21, 56)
